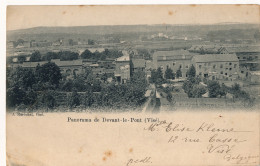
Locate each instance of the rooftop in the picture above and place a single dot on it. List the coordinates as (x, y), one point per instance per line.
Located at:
(215, 58)
(243, 49)
(173, 55)
(123, 58)
(138, 63)
(60, 63)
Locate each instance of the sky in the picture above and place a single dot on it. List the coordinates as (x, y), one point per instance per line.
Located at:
(22, 17)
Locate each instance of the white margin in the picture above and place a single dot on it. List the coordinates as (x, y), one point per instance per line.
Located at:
(5, 3)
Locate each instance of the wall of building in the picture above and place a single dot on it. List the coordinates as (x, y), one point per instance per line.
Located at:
(220, 70)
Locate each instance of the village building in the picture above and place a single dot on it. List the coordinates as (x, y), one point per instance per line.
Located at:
(255, 77)
(209, 49)
(70, 68)
(249, 57)
(216, 66)
(177, 59)
(40, 44)
(138, 65)
(122, 69)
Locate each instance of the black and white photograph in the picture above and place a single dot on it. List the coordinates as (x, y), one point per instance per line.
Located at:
(132, 85)
(141, 68)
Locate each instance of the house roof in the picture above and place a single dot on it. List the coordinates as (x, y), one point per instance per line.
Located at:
(172, 55)
(123, 58)
(244, 49)
(138, 63)
(60, 63)
(33, 64)
(215, 58)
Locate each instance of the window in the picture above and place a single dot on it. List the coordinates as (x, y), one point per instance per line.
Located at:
(187, 66)
(230, 63)
(173, 63)
(242, 72)
(221, 66)
(230, 69)
(214, 66)
(235, 65)
(180, 66)
(221, 72)
(200, 73)
(200, 66)
(225, 73)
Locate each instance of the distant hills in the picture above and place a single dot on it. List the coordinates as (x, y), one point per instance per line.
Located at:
(124, 29)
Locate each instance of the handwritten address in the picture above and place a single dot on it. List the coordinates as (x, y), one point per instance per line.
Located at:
(218, 140)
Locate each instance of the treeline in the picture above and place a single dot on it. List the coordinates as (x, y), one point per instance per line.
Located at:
(40, 89)
(233, 34)
(69, 55)
(158, 78)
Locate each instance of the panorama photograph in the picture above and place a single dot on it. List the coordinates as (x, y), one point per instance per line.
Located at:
(77, 60)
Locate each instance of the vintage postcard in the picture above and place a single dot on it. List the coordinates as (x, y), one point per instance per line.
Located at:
(133, 85)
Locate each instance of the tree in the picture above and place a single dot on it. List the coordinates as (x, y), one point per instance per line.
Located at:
(21, 58)
(51, 55)
(74, 99)
(68, 56)
(71, 42)
(15, 96)
(213, 87)
(178, 73)
(91, 42)
(88, 97)
(36, 57)
(48, 99)
(198, 91)
(22, 77)
(86, 54)
(191, 85)
(49, 72)
(159, 75)
(169, 74)
(191, 72)
(104, 77)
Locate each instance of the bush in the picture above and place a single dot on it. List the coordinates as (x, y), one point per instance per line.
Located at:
(74, 99)
(48, 99)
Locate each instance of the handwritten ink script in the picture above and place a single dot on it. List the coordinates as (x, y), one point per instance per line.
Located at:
(219, 141)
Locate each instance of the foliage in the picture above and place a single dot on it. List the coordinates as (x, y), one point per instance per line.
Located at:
(107, 53)
(68, 56)
(213, 87)
(74, 99)
(51, 55)
(36, 57)
(21, 58)
(178, 73)
(157, 76)
(191, 72)
(91, 42)
(191, 85)
(169, 74)
(49, 72)
(15, 96)
(47, 99)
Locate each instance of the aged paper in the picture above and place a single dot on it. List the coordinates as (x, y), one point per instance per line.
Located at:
(147, 85)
